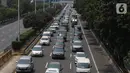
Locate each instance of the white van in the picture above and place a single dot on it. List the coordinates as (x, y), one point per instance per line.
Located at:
(83, 65)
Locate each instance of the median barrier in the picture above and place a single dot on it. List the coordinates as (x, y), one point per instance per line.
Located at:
(5, 57)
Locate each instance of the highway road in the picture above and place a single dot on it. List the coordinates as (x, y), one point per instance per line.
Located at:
(100, 61)
(68, 65)
(9, 32)
(98, 57)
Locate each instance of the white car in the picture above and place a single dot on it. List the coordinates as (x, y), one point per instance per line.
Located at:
(37, 50)
(77, 47)
(52, 29)
(47, 33)
(55, 26)
(52, 70)
(45, 40)
(83, 66)
(79, 55)
(55, 23)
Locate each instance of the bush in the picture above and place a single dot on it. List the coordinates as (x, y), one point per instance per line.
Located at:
(26, 35)
(16, 45)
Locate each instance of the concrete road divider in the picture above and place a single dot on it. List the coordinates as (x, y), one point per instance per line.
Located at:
(5, 57)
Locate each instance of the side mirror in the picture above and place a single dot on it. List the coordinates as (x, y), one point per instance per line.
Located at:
(16, 61)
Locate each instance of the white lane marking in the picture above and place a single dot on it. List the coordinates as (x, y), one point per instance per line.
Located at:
(70, 55)
(46, 65)
(50, 53)
(70, 65)
(89, 48)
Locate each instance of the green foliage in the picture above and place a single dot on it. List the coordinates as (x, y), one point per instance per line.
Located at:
(39, 20)
(110, 27)
(24, 37)
(16, 45)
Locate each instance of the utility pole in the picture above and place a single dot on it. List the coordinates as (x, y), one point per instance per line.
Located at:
(35, 7)
(18, 21)
(43, 5)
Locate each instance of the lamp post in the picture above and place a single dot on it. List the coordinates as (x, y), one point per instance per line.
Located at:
(35, 7)
(18, 21)
(43, 5)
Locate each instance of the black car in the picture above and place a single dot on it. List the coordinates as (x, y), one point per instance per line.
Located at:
(58, 53)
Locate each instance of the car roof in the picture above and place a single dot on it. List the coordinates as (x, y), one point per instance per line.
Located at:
(83, 60)
(25, 57)
(45, 37)
(80, 52)
(46, 32)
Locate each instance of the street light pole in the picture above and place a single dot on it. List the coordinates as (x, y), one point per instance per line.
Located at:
(18, 21)
(43, 5)
(49, 3)
(35, 7)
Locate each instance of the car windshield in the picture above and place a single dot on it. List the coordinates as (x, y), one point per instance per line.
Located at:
(23, 61)
(76, 39)
(83, 65)
(53, 66)
(59, 43)
(52, 28)
(58, 50)
(80, 55)
(77, 43)
(46, 34)
(44, 38)
(36, 49)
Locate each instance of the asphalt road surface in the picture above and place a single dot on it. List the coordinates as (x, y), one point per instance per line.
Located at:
(9, 32)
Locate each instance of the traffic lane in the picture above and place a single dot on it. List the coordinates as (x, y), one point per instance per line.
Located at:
(41, 62)
(66, 63)
(86, 50)
(100, 56)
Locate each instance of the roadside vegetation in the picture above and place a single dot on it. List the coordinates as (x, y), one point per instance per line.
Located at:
(112, 29)
(36, 22)
(10, 12)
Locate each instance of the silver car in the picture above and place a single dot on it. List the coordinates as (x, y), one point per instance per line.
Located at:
(77, 47)
(25, 64)
(37, 50)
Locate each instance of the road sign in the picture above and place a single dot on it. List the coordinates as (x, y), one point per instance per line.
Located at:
(121, 8)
